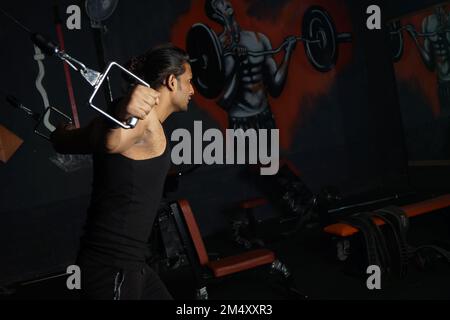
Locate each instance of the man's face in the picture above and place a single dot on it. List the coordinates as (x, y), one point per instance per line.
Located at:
(185, 90)
(224, 9)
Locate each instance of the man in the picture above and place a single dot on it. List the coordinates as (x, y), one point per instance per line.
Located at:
(249, 79)
(435, 52)
(130, 167)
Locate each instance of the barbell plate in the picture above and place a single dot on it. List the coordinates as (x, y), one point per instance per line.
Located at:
(318, 25)
(205, 51)
(395, 40)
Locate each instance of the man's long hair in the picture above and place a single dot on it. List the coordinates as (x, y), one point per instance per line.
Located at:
(157, 64)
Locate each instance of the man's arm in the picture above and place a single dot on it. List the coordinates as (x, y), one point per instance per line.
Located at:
(67, 139)
(426, 52)
(99, 135)
(231, 82)
(427, 55)
(230, 69)
(276, 75)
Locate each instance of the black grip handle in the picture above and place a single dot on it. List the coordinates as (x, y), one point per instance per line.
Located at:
(13, 101)
(45, 45)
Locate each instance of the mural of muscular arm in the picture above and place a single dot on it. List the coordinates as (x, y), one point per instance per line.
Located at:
(427, 54)
(231, 81)
(276, 75)
(426, 51)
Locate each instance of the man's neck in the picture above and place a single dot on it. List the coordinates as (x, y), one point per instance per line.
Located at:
(164, 109)
(234, 29)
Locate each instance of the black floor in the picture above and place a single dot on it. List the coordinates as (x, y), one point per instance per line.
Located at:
(311, 256)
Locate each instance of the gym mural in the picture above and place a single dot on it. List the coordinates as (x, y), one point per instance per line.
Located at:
(258, 66)
(421, 40)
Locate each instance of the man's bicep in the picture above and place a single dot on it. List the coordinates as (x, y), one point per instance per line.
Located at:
(269, 62)
(270, 66)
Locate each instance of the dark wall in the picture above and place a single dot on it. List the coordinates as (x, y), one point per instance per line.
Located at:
(386, 140)
(29, 177)
(39, 199)
(351, 137)
(396, 9)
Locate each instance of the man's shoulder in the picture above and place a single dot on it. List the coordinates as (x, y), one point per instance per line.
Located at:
(256, 36)
(430, 23)
(253, 34)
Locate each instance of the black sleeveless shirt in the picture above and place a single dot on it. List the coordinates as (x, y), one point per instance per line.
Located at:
(125, 198)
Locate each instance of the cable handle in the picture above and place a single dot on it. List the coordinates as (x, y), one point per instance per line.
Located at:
(131, 122)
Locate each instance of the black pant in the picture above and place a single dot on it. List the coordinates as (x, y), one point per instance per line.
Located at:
(100, 282)
(263, 120)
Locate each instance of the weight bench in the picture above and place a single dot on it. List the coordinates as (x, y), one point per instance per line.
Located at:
(378, 253)
(411, 210)
(203, 267)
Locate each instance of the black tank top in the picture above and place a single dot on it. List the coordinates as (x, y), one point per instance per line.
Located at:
(125, 198)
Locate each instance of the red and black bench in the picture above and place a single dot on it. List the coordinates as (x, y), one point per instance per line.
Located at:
(204, 268)
(411, 210)
(384, 245)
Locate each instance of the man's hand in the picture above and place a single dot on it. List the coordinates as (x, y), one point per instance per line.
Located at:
(291, 43)
(241, 52)
(139, 102)
(411, 30)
